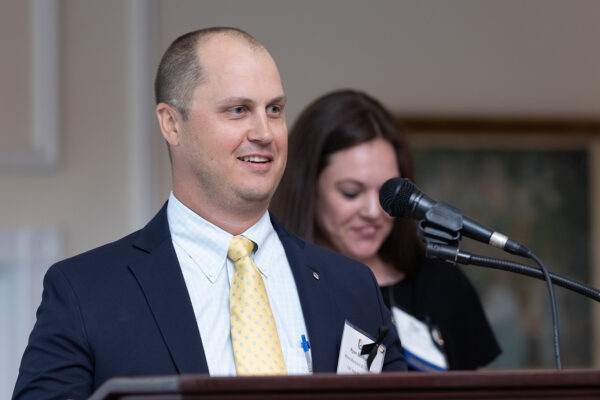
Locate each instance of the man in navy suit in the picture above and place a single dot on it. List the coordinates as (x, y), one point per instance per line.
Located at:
(157, 301)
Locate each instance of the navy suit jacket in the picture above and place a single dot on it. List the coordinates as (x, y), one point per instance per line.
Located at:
(123, 309)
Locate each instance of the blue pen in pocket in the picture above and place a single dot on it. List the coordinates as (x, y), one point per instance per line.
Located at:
(306, 347)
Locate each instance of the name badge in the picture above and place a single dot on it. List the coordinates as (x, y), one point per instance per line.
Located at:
(417, 340)
(350, 360)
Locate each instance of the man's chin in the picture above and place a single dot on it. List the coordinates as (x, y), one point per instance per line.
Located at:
(256, 196)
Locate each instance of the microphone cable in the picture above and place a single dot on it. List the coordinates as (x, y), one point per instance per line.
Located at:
(553, 308)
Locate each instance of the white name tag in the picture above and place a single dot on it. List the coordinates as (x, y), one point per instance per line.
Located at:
(350, 360)
(420, 350)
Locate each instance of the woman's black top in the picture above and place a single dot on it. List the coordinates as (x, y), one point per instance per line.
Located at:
(442, 296)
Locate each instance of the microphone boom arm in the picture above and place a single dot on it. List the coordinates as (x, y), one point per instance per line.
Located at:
(453, 254)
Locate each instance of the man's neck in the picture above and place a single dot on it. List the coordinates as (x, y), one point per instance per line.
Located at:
(234, 220)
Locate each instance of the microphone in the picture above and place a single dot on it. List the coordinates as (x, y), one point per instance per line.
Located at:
(399, 197)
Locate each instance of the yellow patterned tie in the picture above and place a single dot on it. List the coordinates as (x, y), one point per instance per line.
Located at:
(256, 347)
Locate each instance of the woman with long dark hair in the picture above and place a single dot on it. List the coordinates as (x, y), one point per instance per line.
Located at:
(342, 148)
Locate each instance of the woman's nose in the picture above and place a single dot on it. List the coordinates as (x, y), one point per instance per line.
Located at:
(370, 207)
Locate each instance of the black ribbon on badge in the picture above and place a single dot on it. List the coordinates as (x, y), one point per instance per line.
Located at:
(371, 349)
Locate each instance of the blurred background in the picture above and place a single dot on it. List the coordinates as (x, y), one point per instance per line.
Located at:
(82, 161)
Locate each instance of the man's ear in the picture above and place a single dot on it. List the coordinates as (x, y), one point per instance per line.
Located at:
(169, 120)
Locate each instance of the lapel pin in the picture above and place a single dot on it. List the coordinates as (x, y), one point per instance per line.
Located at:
(316, 276)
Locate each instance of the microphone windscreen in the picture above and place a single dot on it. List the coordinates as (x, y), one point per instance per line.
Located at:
(394, 196)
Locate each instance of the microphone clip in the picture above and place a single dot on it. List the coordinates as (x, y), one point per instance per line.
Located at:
(442, 225)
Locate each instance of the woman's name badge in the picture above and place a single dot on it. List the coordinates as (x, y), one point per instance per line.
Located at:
(350, 360)
(419, 347)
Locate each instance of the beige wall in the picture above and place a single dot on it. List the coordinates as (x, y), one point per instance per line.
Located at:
(503, 57)
(462, 57)
(86, 192)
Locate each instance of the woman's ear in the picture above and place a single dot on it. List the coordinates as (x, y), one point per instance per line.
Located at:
(169, 121)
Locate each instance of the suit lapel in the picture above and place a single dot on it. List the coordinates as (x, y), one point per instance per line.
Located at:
(316, 302)
(160, 277)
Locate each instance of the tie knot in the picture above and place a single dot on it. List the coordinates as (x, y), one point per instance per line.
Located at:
(239, 247)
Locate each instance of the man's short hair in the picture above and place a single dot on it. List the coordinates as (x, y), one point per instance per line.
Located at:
(180, 70)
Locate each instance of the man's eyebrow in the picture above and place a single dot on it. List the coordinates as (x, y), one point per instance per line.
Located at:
(279, 99)
(245, 100)
(235, 100)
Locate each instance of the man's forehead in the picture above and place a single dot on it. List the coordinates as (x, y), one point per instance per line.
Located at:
(227, 55)
(230, 35)
(231, 61)
(224, 45)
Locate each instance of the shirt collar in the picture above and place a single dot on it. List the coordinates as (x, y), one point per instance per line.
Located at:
(186, 227)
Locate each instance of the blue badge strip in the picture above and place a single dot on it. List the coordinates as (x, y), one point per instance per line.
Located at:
(420, 364)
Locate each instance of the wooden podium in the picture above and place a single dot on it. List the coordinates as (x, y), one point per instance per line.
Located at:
(514, 384)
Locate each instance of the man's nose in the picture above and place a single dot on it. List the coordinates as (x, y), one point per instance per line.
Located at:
(261, 130)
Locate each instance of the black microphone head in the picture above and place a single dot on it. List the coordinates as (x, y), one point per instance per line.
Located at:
(394, 196)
